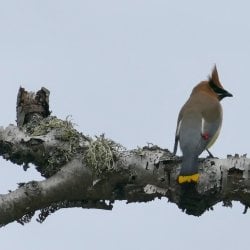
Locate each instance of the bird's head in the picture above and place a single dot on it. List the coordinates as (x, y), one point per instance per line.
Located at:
(212, 87)
(215, 85)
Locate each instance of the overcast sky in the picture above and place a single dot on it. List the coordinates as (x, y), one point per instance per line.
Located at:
(125, 68)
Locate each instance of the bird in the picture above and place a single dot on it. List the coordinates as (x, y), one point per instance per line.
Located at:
(198, 125)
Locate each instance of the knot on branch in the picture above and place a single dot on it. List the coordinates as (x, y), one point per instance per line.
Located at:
(30, 104)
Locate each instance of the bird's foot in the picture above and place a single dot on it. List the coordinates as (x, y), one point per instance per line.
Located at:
(210, 155)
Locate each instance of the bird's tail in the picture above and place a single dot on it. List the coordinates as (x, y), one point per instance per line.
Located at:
(189, 170)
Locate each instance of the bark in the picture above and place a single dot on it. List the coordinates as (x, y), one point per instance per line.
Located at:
(84, 172)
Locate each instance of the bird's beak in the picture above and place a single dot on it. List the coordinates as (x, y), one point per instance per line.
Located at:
(222, 93)
(227, 94)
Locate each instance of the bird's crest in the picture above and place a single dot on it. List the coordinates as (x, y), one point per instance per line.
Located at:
(214, 78)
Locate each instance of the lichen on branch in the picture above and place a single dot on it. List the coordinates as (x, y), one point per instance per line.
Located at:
(102, 155)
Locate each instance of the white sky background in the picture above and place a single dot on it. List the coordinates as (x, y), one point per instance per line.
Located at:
(125, 68)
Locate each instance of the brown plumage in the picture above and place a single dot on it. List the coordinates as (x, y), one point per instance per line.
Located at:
(199, 124)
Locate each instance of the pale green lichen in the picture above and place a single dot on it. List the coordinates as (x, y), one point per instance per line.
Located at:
(102, 155)
(46, 125)
(68, 141)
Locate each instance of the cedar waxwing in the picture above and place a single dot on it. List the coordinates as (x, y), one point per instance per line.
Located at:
(199, 124)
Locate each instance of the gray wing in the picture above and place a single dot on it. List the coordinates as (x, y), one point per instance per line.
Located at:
(177, 133)
(200, 135)
(176, 141)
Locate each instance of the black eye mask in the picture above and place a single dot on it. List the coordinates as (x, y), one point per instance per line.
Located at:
(219, 91)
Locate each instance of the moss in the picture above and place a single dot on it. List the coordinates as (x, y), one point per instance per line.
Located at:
(44, 126)
(68, 141)
(102, 155)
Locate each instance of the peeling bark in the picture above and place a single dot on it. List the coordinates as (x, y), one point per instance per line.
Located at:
(94, 173)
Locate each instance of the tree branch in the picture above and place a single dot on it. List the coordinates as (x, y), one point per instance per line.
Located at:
(93, 173)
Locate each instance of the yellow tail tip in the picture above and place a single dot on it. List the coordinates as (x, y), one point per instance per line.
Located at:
(188, 178)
